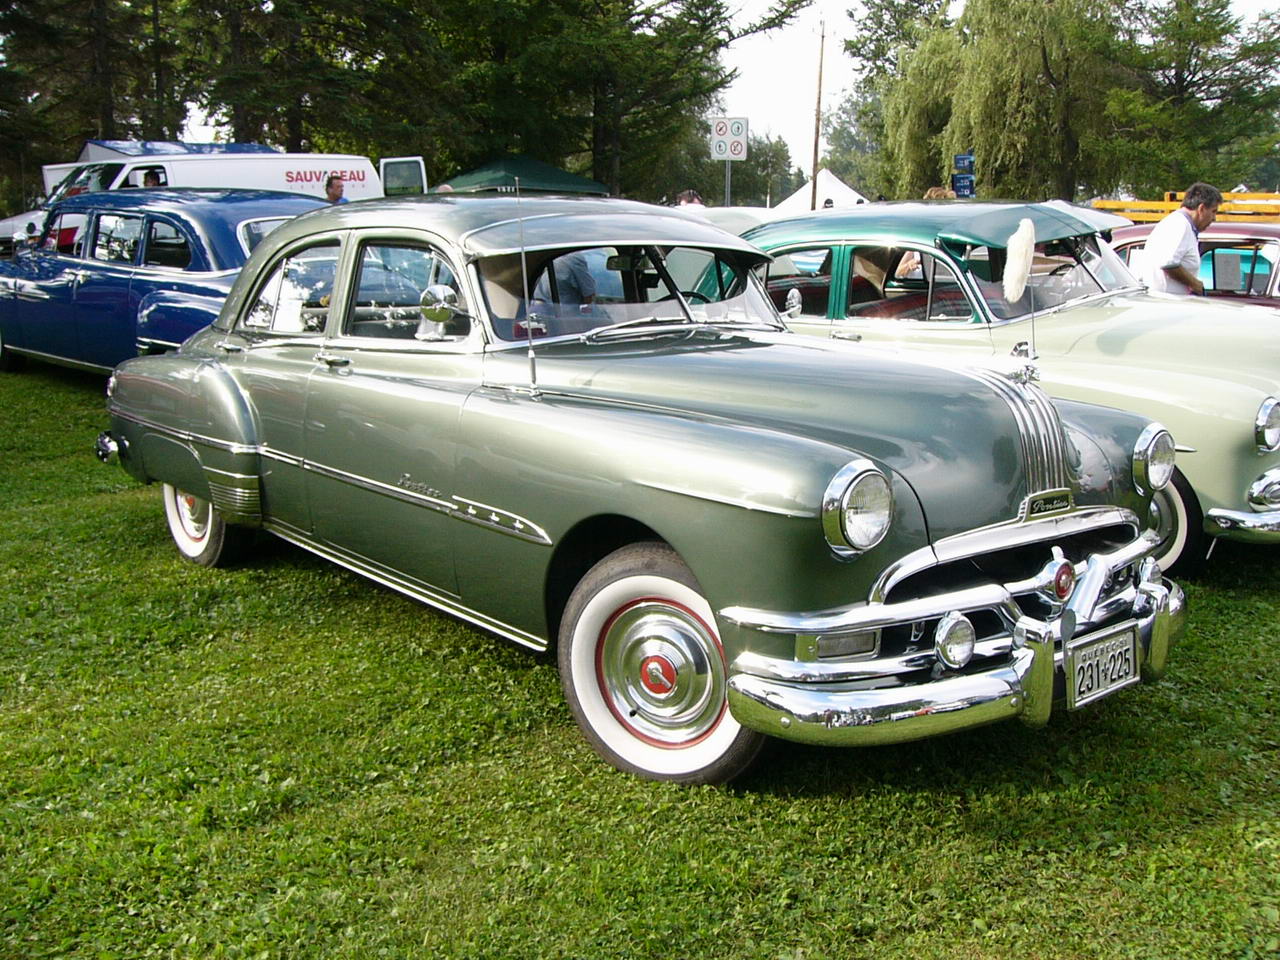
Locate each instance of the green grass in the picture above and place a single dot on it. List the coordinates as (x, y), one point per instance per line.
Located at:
(285, 760)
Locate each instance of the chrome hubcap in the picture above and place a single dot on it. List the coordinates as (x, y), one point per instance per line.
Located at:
(661, 672)
(194, 514)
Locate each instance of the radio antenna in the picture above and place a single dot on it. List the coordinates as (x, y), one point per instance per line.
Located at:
(528, 298)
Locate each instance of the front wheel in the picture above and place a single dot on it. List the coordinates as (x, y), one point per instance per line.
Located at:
(644, 673)
(199, 531)
(1179, 524)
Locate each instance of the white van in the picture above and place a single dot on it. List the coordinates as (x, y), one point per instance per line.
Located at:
(294, 172)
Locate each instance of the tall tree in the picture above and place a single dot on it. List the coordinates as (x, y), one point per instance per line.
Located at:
(1202, 96)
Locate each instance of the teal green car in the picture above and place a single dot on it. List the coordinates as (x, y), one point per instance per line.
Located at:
(932, 277)
(580, 424)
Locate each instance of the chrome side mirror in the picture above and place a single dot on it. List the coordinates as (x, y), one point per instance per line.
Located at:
(441, 315)
(794, 304)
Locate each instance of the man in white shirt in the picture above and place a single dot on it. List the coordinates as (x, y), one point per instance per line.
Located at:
(1172, 257)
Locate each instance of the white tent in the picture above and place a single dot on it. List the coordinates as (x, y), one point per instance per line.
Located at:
(830, 187)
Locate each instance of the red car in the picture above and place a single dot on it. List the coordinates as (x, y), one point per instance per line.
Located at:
(1239, 261)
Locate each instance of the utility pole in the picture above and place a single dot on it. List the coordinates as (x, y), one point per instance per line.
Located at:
(817, 117)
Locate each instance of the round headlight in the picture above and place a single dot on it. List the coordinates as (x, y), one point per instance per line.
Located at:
(1153, 457)
(857, 508)
(1266, 426)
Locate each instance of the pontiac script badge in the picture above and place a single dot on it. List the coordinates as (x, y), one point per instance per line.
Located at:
(1049, 503)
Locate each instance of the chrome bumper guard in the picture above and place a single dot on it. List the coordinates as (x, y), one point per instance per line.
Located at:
(821, 703)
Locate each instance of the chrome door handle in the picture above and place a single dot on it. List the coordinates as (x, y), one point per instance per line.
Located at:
(80, 276)
(229, 347)
(332, 359)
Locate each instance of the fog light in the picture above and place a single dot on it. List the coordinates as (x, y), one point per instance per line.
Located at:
(953, 640)
(848, 644)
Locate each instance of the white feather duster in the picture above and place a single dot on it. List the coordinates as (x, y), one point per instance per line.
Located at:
(1017, 267)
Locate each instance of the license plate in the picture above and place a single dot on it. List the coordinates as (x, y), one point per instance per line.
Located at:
(1101, 663)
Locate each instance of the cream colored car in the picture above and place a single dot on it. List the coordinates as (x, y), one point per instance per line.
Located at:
(931, 276)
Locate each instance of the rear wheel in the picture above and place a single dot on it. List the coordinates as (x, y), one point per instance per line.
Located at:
(644, 673)
(1179, 523)
(199, 531)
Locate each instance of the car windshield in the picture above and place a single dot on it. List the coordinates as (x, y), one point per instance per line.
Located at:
(576, 291)
(1061, 271)
(89, 178)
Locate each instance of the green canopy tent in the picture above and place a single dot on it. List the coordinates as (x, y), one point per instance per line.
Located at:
(535, 177)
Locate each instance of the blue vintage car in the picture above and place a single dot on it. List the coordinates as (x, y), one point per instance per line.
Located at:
(119, 273)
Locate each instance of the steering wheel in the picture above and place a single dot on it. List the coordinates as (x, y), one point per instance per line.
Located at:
(1061, 269)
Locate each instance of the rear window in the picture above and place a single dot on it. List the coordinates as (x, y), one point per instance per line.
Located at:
(252, 232)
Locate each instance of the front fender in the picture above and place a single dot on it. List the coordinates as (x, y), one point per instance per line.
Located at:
(740, 504)
(1210, 417)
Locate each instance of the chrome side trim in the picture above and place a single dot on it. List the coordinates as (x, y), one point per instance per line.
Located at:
(61, 361)
(456, 506)
(416, 591)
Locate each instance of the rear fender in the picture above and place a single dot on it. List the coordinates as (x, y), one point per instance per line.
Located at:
(185, 422)
(167, 317)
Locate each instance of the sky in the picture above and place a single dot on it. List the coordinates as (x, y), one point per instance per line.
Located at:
(777, 83)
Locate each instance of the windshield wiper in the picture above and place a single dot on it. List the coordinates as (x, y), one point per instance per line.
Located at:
(638, 322)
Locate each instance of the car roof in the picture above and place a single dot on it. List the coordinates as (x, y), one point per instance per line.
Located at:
(961, 223)
(1268, 230)
(488, 225)
(196, 202)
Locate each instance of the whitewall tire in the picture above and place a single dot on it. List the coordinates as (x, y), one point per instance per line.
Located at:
(198, 530)
(644, 673)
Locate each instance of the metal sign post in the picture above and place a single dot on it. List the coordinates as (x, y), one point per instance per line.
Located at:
(728, 143)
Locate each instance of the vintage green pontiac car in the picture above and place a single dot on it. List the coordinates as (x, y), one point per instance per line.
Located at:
(580, 423)
(931, 276)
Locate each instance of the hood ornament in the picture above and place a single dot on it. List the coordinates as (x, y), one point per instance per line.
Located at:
(1029, 372)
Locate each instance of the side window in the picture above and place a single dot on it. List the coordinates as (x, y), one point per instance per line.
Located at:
(801, 277)
(166, 246)
(116, 239)
(390, 287)
(1243, 268)
(895, 284)
(65, 235)
(296, 296)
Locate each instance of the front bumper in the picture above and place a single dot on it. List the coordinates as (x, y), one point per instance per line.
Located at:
(794, 700)
(1244, 525)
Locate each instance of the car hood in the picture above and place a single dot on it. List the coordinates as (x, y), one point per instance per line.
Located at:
(944, 430)
(1175, 334)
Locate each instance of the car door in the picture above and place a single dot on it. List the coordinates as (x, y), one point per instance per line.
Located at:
(271, 352)
(105, 317)
(799, 282)
(907, 295)
(382, 416)
(44, 284)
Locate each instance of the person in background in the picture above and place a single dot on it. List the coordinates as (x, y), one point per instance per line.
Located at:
(333, 189)
(1172, 255)
(151, 178)
(939, 193)
(688, 197)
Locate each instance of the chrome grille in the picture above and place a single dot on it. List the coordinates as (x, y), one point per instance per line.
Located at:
(1043, 447)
